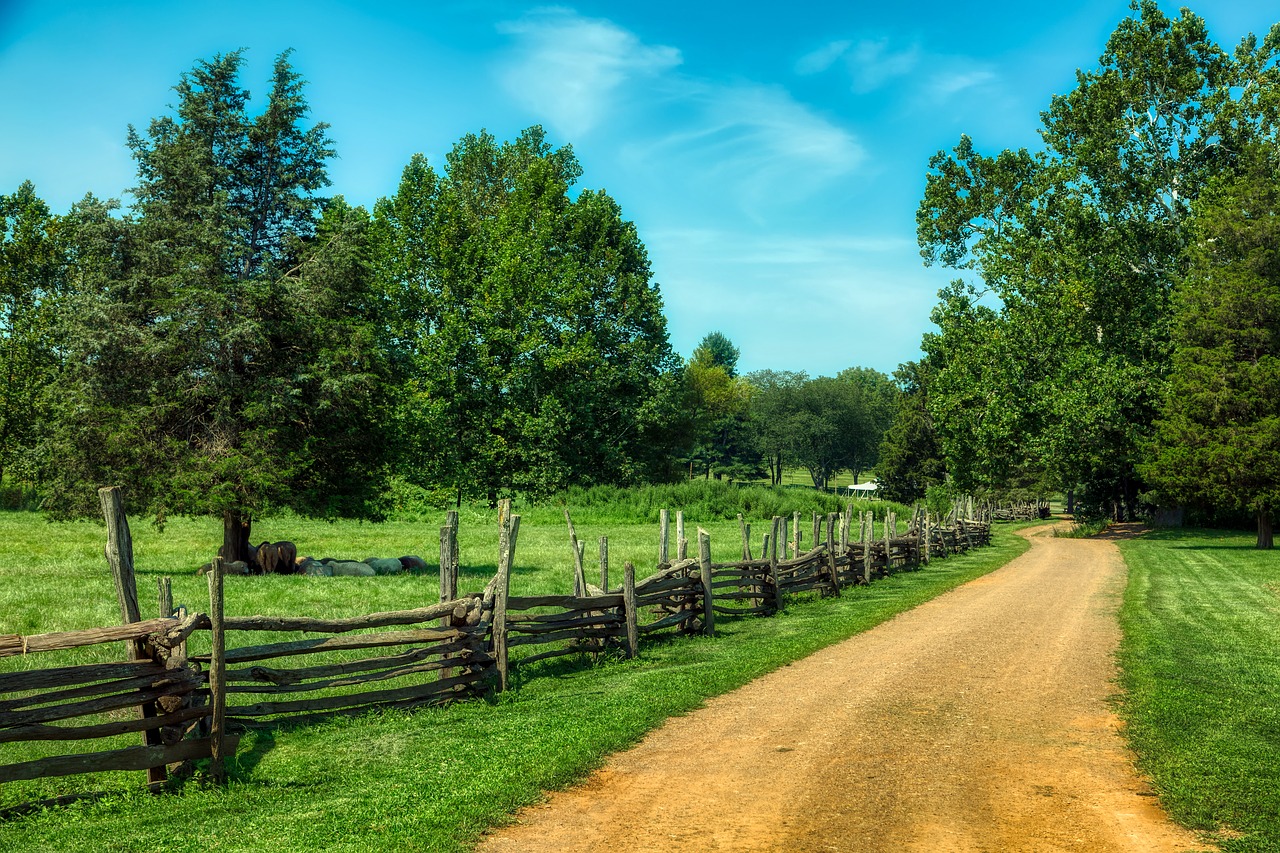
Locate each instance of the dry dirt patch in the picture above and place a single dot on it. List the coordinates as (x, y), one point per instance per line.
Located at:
(976, 722)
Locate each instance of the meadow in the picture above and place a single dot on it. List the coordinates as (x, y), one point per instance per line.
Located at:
(1201, 678)
(430, 779)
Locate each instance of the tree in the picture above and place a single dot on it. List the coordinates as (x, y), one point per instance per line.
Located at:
(539, 349)
(876, 398)
(1216, 436)
(772, 408)
(1081, 243)
(910, 457)
(222, 351)
(718, 412)
(829, 428)
(720, 351)
(31, 267)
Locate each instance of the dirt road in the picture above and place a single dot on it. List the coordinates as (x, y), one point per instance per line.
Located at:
(976, 722)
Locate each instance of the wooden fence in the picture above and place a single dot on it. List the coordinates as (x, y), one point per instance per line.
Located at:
(187, 707)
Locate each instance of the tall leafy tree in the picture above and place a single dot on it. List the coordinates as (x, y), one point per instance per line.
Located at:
(223, 354)
(718, 413)
(31, 275)
(539, 347)
(876, 397)
(772, 408)
(1216, 438)
(1081, 243)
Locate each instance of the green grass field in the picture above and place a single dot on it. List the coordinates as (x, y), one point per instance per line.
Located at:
(1201, 677)
(432, 779)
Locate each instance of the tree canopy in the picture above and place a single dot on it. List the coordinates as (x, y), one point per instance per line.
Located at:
(1081, 244)
(537, 342)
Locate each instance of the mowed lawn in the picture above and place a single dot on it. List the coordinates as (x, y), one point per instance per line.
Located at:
(1201, 675)
(431, 779)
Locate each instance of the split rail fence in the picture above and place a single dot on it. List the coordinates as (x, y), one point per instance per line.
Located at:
(189, 707)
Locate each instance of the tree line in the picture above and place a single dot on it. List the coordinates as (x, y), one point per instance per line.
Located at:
(1117, 337)
(236, 341)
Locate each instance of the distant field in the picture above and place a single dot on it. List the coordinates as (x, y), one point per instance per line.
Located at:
(427, 780)
(1201, 671)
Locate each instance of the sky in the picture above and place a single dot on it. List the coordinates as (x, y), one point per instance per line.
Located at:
(771, 155)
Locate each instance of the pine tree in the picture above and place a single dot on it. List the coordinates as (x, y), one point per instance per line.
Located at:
(223, 354)
(1217, 439)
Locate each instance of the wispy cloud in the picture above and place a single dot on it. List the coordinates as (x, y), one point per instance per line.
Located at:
(754, 144)
(874, 63)
(822, 58)
(746, 142)
(947, 84)
(568, 69)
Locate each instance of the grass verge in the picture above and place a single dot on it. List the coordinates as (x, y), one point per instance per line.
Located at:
(435, 779)
(1201, 680)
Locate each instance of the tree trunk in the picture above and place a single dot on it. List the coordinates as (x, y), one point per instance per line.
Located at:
(1071, 502)
(1264, 530)
(235, 537)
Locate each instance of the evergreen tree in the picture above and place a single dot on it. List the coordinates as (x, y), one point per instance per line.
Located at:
(223, 354)
(1217, 439)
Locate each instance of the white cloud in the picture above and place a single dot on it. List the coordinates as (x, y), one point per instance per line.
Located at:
(568, 69)
(822, 58)
(943, 86)
(753, 144)
(873, 63)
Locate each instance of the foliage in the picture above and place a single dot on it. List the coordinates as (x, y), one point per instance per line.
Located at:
(1215, 440)
(31, 272)
(716, 349)
(539, 350)
(1081, 243)
(910, 458)
(825, 425)
(221, 349)
(718, 406)
(772, 407)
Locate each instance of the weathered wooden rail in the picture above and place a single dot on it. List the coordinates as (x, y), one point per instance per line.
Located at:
(188, 707)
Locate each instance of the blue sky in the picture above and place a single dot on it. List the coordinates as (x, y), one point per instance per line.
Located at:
(771, 155)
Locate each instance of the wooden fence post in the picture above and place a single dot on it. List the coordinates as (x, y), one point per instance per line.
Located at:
(217, 673)
(746, 537)
(773, 568)
(164, 598)
(682, 544)
(796, 536)
(704, 565)
(506, 552)
(119, 554)
(868, 536)
(448, 578)
(817, 530)
(664, 553)
(831, 555)
(629, 607)
(604, 563)
(579, 571)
